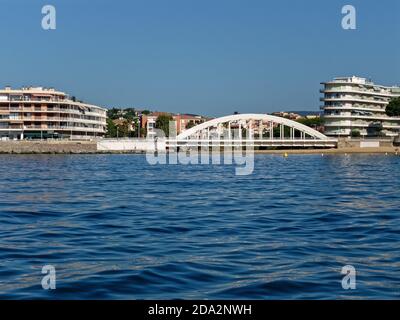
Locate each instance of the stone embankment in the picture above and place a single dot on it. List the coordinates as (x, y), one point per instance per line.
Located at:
(48, 147)
(141, 146)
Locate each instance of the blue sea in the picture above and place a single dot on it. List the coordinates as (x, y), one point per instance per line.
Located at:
(115, 227)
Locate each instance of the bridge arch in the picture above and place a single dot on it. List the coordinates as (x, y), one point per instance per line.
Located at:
(253, 122)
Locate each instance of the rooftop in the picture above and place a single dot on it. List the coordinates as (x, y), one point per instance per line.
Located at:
(31, 89)
(359, 81)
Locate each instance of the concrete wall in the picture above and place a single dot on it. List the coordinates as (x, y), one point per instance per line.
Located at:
(127, 145)
(47, 147)
(138, 145)
(364, 143)
(100, 146)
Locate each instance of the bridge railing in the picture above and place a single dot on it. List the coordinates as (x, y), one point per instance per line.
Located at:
(252, 142)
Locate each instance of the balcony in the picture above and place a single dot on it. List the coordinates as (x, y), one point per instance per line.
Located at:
(373, 117)
(353, 107)
(356, 90)
(33, 99)
(353, 99)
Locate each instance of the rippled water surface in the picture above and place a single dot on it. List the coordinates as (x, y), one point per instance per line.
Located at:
(115, 227)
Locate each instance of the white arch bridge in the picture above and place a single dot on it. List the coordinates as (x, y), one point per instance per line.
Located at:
(254, 130)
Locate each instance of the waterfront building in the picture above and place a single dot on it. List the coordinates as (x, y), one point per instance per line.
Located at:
(148, 122)
(355, 106)
(37, 112)
(186, 121)
(287, 115)
(182, 122)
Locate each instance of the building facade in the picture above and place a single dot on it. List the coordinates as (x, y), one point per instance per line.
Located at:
(148, 122)
(40, 113)
(181, 122)
(355, 106)
(185, 121)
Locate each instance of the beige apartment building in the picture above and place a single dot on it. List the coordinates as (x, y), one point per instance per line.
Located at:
(42, 113)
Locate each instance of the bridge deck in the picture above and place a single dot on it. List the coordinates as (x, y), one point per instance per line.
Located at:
(253, 143)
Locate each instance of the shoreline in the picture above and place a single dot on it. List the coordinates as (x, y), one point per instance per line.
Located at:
(90, 147)
(352, 150)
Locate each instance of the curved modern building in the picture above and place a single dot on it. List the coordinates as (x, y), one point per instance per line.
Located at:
(37, 112)
(356, 105)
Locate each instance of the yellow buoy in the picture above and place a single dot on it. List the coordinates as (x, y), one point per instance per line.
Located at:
(285, 155)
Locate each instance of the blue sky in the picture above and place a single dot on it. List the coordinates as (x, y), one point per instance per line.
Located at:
(209, 57)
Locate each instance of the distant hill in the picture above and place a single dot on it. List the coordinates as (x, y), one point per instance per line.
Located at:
(307, 113)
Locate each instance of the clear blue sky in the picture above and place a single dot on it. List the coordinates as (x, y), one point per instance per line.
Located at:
(210, 57)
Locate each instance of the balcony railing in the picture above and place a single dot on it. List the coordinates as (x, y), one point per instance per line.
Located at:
(27, 127)
(62, 119)
(34, 99)
(355, 90)
(354, 98)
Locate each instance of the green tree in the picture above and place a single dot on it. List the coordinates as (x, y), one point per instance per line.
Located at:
(123, 129)
(113, 113)
(162, 123)
(117, 130)
(277, 132)
(393, 108)
(111, 129)
(129, 114)
(190, 124)
(355, 133)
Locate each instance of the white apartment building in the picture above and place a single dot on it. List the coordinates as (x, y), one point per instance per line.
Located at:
(150, 127)
(357, 106)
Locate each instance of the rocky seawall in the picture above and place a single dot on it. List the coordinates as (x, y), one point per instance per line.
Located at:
(118, 147)
(47, 147)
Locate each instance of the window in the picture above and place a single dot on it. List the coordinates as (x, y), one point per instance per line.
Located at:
(14, 116)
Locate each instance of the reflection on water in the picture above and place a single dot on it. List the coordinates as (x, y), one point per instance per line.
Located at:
(115, 227)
